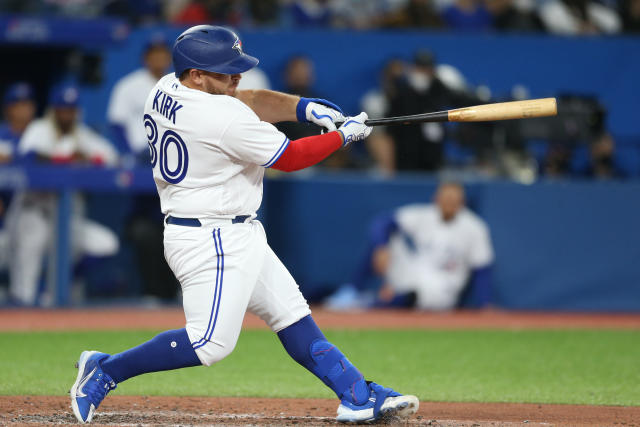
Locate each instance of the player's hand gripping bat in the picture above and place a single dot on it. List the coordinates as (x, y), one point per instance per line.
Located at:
(479, 113)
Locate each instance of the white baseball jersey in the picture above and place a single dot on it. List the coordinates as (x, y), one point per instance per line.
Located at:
(42, 137)
(127, 105)
(208, 152)
(434, 257)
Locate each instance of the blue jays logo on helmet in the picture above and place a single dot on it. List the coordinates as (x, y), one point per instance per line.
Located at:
(237, 45)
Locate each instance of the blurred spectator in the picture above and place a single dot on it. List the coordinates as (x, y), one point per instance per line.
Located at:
(376, 103)
(126, 105)
(421, 147)
(572, 17)
(467, 15)
(144, 226)
(255, 78)
(310, 13)
(194, 12)
(425, 255)
(264, 12)
(19, 110)
(630, 11)
(58, 138)
(579, 141)
(413, 14)
(506, 16)
(299, 78)
(138, 12)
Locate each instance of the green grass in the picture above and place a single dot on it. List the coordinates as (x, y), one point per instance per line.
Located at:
(588, 367)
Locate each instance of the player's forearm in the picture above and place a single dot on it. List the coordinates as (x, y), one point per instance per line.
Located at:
(270, 106)
(305, 152)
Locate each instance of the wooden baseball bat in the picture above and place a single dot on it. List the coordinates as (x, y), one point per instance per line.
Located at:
(479, 113)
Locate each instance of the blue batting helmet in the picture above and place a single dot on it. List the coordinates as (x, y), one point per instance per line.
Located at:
(20, 91)
(65, 95)
(211, 48)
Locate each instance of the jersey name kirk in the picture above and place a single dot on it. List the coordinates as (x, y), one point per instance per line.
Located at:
(166, 105)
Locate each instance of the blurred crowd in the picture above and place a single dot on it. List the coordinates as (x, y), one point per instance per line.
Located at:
(566, 17)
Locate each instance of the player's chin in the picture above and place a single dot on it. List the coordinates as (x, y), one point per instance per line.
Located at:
(231, 90)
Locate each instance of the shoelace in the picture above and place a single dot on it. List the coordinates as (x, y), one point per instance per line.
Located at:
(98, 388)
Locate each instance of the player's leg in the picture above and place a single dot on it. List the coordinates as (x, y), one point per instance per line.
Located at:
(30, 233)
(93, 239)
(278, 301)
(213, 265)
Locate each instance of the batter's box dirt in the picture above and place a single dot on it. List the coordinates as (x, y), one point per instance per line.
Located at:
(184, 411)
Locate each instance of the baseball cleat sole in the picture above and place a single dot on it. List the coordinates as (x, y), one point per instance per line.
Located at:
(393, 409)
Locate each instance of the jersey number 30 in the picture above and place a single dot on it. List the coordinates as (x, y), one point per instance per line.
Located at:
(169, 137)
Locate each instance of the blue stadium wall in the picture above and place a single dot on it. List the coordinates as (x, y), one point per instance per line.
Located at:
(559, 246)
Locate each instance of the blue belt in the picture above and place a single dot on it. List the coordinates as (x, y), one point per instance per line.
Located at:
(195, 222)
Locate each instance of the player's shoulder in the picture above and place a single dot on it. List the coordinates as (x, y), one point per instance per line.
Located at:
(472, 219)
(417, 209)
(415, 214)
(135, 79)
(41, 125)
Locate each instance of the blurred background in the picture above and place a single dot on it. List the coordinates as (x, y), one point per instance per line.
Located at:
(535, 214)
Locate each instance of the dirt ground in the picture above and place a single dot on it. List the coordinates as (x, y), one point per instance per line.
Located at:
(231, 411)
(165, 411)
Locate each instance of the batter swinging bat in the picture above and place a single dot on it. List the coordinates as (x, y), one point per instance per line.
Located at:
(479, 113)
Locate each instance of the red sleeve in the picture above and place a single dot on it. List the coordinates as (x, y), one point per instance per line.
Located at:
(305, 152)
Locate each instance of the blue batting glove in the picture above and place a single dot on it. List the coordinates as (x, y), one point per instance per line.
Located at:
(319, 111)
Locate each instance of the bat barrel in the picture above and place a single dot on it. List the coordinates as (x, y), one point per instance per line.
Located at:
(505, 111)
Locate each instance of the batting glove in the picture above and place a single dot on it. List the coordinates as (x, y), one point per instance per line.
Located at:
(354, 129)
(319, 111)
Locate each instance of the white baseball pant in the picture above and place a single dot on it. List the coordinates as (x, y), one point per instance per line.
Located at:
(226, 269)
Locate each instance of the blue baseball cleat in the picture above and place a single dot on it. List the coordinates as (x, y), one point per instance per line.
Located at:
(383, 404)
(91, 386)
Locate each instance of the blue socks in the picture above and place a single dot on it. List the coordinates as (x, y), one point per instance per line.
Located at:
(166, 351)
(307, 345)
(304, 342)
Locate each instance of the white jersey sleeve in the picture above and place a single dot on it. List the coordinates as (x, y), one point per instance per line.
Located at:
(248, 139)
(35, 138)
(480, 251)
(411, 218)
(94, 145)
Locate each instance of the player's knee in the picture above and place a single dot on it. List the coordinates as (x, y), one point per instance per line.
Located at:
(212, 352)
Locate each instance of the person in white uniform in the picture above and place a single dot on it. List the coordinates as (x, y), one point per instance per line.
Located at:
(210, 144)
(58, 138)
(425, 254)
(143, 226)
(129, 95)
(436, 249)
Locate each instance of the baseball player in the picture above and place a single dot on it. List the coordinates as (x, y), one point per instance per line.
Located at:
(58, 138)
(425, 253)
(210, 145)
(435, 249)
(19, 110)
